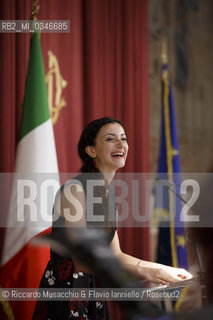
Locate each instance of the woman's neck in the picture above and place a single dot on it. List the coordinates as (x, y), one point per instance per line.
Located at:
(108, 176)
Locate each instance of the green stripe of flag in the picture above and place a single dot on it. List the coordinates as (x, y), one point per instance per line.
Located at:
(35, 105)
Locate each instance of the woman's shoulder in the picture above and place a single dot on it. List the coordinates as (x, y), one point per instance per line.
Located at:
(83, 179)
(79, 179)
(66, 196)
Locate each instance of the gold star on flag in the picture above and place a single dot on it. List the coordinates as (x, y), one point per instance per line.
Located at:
(175, 152)
(180, 240)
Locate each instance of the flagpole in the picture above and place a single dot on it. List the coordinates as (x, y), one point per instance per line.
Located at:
(170, 154)
(164, 52)
(169, 147)
(35, 9)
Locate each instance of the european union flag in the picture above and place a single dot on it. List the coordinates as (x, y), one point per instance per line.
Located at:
(171, 241)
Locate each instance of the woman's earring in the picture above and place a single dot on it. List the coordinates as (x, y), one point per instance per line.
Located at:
(94, 162)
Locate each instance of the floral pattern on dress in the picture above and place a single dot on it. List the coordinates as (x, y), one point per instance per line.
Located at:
(50, 278)
(60, 273)
(99, 305)
(76, 275)
(78, 309)
(65, 267)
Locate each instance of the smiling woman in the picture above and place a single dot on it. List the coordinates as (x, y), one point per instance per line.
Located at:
(110, 149)
(103, 149)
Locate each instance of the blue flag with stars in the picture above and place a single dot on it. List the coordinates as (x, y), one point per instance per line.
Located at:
(171, 241)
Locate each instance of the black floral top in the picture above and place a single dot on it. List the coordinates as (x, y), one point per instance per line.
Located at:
(60, 271)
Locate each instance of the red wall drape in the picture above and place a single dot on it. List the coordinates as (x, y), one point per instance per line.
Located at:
(104, 60)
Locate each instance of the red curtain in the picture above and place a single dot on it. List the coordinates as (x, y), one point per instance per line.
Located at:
(104, 62)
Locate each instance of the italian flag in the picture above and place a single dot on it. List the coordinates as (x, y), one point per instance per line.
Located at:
(23, 263)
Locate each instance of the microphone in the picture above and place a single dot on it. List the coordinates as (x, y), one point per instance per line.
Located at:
(202, 274)
(169, 185)
(165, 182)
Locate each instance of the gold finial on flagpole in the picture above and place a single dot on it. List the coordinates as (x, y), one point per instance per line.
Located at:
(164, 52)
(35, 9)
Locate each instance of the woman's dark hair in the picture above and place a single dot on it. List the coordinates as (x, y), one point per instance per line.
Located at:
(88, 137)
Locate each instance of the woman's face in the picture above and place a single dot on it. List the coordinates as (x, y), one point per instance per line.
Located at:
(111, 148)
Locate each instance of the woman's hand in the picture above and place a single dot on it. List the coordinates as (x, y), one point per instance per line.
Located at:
(147, 270)
(178, 273)
(163, 274)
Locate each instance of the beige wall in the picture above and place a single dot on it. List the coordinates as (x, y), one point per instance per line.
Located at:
(187, 25)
